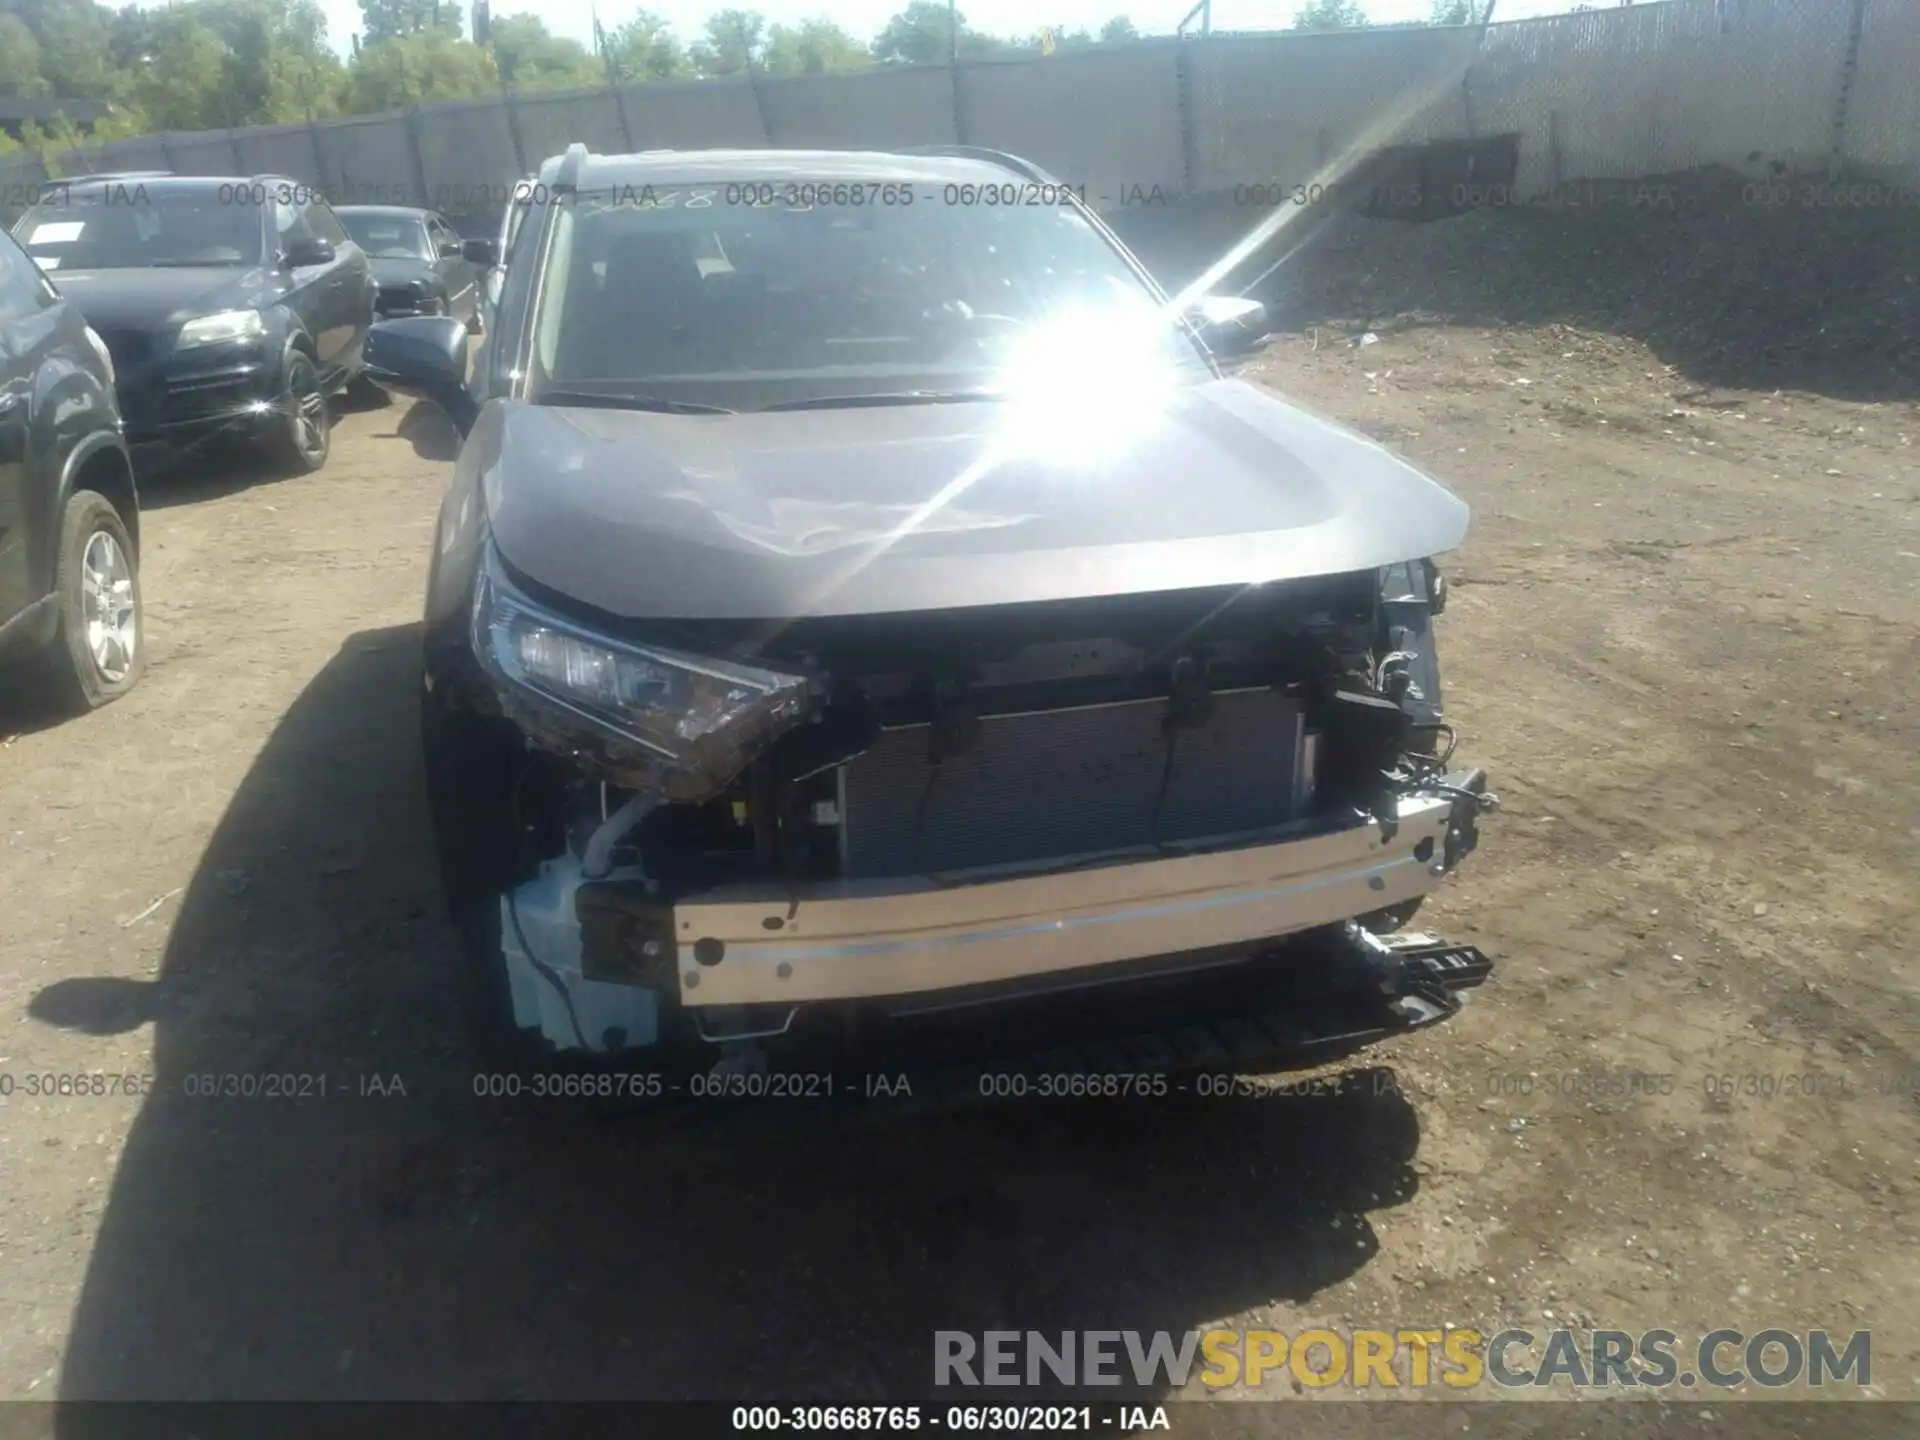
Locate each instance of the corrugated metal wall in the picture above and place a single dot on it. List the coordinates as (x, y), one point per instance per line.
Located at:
(1607, 94)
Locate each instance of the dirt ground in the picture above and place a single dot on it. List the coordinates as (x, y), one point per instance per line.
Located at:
(1681, 638)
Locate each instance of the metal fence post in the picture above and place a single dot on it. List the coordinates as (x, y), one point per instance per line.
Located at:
(959, 103)
(1184, 103)
(759, 102)
(1843, 102)
(620, 109)
(319, 159)
(513, 129)
(416, 165)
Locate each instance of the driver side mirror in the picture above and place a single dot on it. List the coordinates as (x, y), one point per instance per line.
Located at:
(310, 251)
(481, 252)
(1231, 325)
(424, 356)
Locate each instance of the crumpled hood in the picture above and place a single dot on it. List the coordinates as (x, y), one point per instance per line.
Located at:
(870, 510)
(165, 297)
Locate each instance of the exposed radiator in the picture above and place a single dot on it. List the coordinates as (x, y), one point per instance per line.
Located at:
(1066, 782)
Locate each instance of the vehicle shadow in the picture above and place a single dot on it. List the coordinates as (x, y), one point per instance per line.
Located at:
(380, 1233)
(214, 469)
(25, 711)
(425, 426)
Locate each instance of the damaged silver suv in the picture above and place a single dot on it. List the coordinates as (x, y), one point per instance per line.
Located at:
(867, 629)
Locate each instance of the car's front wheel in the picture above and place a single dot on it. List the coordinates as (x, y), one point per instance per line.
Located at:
(302, 432)
(97, 652)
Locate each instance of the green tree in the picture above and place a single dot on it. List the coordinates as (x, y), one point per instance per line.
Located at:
(306, 76)
(393, 19)
(1453, 12)
(533, 58)
(20, 76)
(1330, 15)
(71, 37)
(645, 48)
(922, 34)
(814, 47)
(1117, 29)
(174, 71)
(411, 69)
(734, 39)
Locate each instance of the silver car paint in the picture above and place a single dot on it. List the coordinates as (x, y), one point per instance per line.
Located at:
(875, 510)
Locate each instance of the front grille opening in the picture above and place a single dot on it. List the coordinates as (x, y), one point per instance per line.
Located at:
(1046, 784)
(1071, 743)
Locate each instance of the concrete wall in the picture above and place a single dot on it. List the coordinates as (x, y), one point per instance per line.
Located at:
(20, 176)
(1648, 89)
(878, 110)
(367, 161)
(1107, 120)
(464, 146)
(1883, 116)
(280, 150)
(694, 114)
(1282, 108)
(1616, 93)
(550, 123)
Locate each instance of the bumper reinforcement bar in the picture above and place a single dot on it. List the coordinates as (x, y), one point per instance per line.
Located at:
(1372, 989)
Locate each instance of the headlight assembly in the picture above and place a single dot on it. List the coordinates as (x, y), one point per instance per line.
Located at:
(684, 724)
(224, 327)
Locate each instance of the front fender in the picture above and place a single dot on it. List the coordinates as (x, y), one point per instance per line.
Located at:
(284, 330)
(74, 417)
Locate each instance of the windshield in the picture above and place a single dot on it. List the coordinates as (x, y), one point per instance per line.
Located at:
(387, 237)
(126, 226)
(677, 296)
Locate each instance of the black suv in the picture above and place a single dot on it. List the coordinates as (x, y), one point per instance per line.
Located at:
(233, 307)
(69, 518)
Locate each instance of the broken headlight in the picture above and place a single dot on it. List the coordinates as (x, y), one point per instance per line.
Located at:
(646, 716)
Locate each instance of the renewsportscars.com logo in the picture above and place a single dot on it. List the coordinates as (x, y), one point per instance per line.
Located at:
(1454, 1357)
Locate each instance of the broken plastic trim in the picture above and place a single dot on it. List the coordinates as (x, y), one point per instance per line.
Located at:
(680, 726)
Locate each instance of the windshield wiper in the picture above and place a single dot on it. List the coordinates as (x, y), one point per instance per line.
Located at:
(888, 397)
(616, 401)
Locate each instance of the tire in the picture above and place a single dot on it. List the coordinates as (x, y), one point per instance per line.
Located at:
(98, 649)
(302, 432)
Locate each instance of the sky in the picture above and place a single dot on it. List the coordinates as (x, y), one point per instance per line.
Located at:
(864, 18)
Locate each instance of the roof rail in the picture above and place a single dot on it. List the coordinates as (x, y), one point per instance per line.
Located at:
(992, 157)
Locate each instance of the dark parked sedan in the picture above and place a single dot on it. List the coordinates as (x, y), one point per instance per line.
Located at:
(233, 307)
(416, 260)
